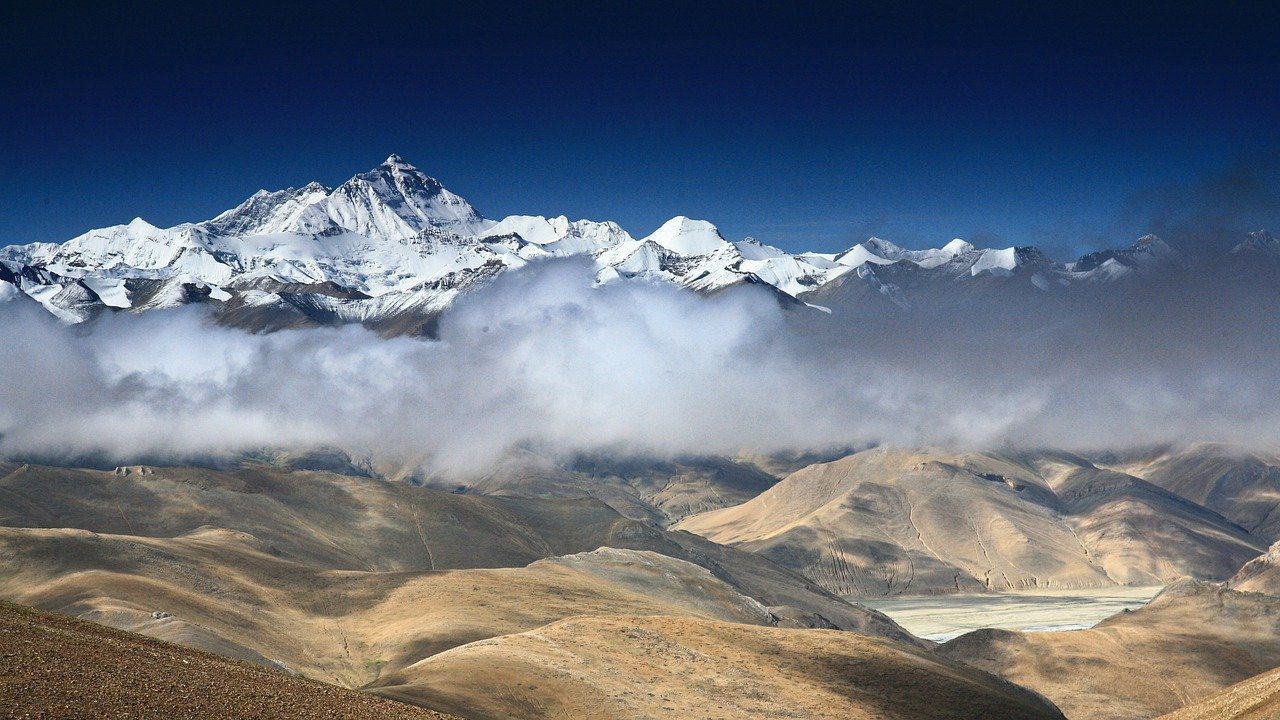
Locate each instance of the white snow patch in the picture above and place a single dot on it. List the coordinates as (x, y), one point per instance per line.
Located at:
(997, 262)
(110, 290)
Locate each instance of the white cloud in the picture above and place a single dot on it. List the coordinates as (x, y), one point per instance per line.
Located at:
(543, 358)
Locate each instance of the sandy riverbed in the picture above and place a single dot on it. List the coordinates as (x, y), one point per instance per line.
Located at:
(942, 617)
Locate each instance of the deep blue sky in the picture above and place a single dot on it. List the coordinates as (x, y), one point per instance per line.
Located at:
(805, 127)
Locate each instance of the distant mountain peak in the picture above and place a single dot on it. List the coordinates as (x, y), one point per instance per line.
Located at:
(1150, 247)
(1150, 243)
(1258, 241)
(880, 245)
(138, 225)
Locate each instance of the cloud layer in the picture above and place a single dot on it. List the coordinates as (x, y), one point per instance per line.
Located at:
(543, 359)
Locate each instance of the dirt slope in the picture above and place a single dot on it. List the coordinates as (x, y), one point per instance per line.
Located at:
(52, 666)
(629, 668)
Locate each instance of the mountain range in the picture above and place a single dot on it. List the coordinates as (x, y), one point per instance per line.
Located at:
(392, 247)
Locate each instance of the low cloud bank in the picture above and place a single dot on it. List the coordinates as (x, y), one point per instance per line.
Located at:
(543, 359)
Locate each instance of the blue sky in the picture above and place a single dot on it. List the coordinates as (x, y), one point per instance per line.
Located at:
(809, 127)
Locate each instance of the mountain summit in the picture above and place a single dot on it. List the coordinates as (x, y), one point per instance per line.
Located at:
(1259, 241)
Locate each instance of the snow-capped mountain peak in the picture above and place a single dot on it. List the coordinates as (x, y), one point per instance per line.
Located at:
(1259, 241)
(139, 226)
(1148, 250)
(396, 200)
(1151, 245)
(395, 161)
(393, 201)
(883, 248)
(995, 261)
(685, 236)
(860, 255)
(531, 228)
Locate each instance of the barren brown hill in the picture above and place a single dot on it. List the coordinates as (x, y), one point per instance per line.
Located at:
(1191, 641)
(52, 666)
(216, 591)
(333, 586)
(1243, 485)
(889, 522)
(325, 521)
(320, 519)
(1257, 698)
(634, 668)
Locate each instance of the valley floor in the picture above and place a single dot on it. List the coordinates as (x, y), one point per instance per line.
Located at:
(943, 617)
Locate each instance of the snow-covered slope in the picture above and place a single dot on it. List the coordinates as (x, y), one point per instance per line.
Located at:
(392, 247)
